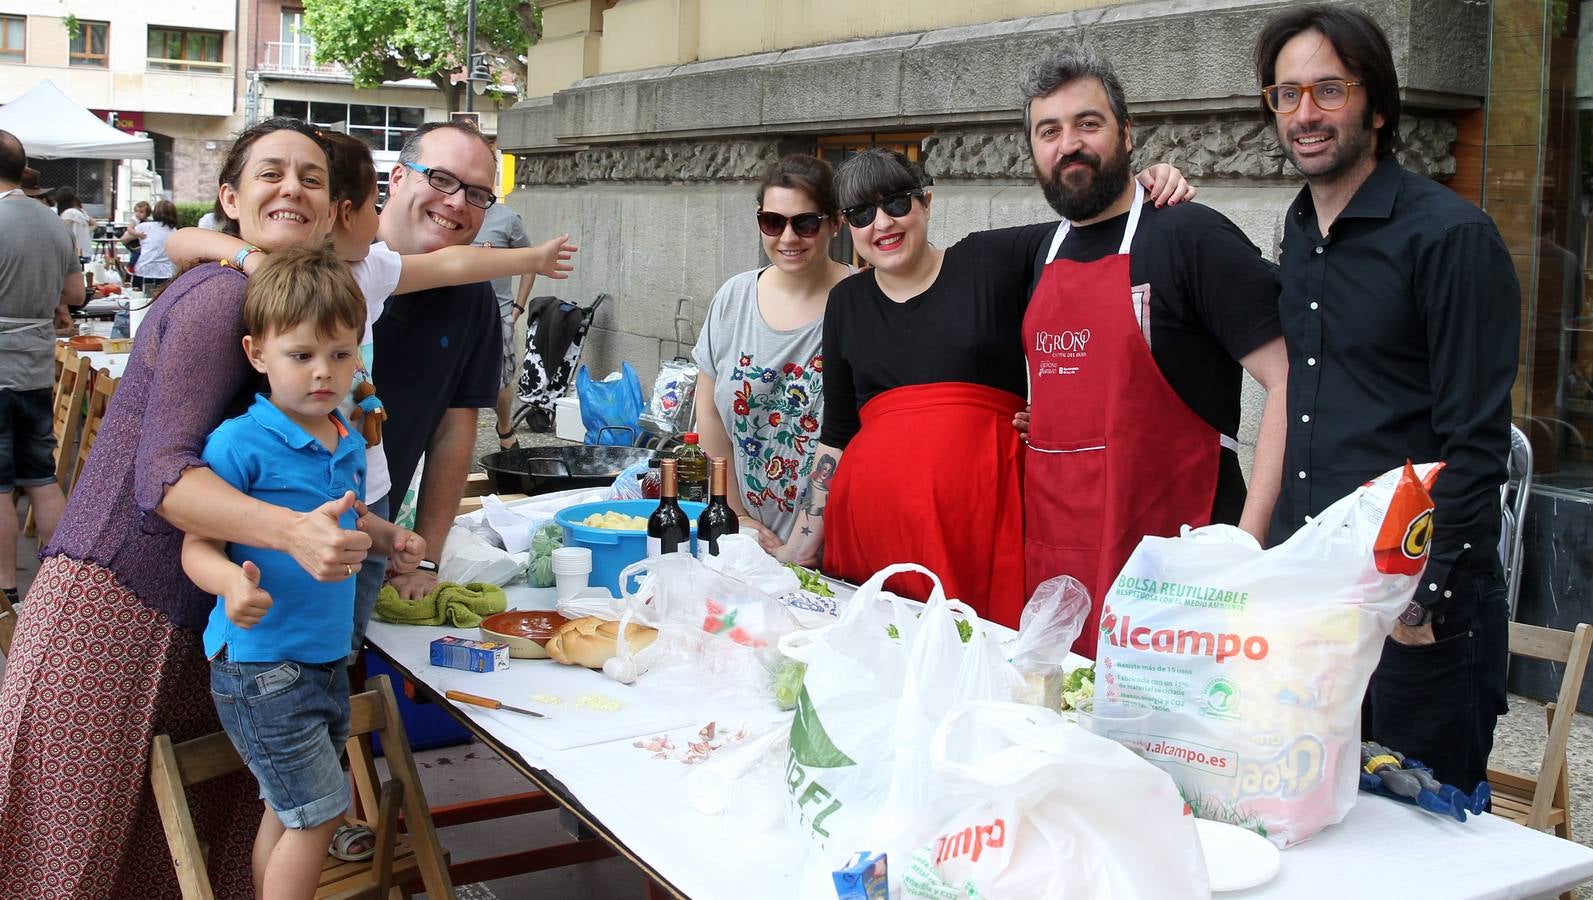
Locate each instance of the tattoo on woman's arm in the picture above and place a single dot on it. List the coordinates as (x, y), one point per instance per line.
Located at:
(819, 485)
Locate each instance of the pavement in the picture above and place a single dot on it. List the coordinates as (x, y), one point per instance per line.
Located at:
(470, 771)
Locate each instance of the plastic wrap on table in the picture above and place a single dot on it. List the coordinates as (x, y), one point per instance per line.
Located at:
(717, 636)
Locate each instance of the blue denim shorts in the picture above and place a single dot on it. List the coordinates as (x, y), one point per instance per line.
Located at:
(289, 722)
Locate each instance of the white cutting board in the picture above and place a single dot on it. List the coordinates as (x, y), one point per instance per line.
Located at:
(567, 726)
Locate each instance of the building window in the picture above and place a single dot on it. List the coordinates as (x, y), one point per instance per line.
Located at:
(88, 45)
(296, 49)
(13, 38)
(181, 50)
(836, 149)
(382, 127)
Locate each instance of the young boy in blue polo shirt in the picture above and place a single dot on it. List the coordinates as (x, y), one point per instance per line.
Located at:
(278, 639)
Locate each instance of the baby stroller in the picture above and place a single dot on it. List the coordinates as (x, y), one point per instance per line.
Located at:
(555, 331)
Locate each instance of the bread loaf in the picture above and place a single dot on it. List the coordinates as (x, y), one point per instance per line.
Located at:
(592, 641)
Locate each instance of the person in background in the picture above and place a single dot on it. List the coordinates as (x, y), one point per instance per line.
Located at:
(30, 187)
(70, 209)
(1140, 327)
(39, 281)
(760, 394)
(1402, 315)
(151, 235)
(141, 214)
(273, 624)
(113, 630)
(210, 222)
(503, 227)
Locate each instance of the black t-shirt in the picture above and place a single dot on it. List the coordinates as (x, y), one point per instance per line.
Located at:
(435, 350)
(967, 326)
(1213, 300)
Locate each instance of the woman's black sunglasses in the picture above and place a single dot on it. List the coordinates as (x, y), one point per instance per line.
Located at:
(804, 224)
(895, 206)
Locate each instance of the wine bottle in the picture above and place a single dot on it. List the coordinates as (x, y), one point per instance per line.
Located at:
(718, 519)
(693, 470)
(668, 529)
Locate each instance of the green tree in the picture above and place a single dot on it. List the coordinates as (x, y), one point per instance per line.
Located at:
(390, 40)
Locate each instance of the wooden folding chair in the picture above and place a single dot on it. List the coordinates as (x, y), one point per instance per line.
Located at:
(1543, 801)
(66, 414)
(99, 402)
(400, 858)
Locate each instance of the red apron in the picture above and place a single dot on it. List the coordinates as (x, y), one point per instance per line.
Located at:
(934, 476)
(1114, 453)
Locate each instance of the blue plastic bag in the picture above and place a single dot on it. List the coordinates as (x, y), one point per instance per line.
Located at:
(610, 410)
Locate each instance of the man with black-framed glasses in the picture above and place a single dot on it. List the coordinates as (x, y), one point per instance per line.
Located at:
(438, 351)
(1401, 314)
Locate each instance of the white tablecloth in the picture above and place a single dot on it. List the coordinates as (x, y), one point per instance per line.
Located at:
(1383, 849)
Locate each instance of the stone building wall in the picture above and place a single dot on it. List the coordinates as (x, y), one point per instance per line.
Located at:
(654, 172)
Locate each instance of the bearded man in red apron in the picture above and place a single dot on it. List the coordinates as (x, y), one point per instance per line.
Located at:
(1139, 326)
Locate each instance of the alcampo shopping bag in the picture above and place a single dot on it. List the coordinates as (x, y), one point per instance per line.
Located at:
(879, 681)
(1049, 810)
(1254, 661)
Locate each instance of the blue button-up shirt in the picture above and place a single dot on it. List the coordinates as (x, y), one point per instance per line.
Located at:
(268, 456)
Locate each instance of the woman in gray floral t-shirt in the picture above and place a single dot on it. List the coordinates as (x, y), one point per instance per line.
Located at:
(760, 352)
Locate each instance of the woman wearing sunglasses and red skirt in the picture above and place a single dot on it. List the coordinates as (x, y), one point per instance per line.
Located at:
(918, 460)
(760, 395)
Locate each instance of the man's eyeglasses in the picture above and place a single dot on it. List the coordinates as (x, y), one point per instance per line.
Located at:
(804, 224)
(1328, 95)
(895, 206)
(447, 183)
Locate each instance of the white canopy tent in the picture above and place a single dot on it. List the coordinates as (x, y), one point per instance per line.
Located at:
(51, 126)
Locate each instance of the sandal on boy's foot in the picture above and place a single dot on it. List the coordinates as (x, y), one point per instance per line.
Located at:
(353, 842)
(512, 438)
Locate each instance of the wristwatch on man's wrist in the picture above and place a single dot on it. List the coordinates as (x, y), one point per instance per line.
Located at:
(1415, 615)
(426, 565)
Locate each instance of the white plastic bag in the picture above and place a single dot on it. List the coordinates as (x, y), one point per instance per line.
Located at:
(1255, 661)
(744, 559)
(717, 636)
(858, 772)
(1049, 810)
(468, 558)
(1051, 621)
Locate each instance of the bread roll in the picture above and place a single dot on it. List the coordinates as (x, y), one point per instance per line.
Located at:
(592, 641)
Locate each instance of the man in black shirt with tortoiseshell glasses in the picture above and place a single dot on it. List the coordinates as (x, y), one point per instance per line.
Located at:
(1401, 314)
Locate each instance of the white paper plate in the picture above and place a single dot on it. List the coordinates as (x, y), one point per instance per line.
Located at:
(1236, 858)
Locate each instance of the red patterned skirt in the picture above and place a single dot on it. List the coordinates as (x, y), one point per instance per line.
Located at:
(93, 676)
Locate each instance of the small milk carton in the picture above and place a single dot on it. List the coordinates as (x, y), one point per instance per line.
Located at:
(862, 878)
(472, 656)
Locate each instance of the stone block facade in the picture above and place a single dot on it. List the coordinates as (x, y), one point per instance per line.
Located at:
(654, 172)
(194, 168)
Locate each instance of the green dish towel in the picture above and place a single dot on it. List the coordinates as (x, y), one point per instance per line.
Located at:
(459, 605)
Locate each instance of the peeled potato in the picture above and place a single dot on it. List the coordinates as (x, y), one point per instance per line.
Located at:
(616, 521)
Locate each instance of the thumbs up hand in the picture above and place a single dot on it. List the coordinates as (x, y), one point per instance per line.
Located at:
(324, 548)
(247, 603)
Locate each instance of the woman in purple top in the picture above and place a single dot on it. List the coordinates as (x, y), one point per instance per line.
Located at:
(108, 652)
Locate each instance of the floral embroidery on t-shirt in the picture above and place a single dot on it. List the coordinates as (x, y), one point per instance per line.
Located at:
(775, 424)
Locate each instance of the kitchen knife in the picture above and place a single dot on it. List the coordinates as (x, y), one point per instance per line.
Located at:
(489, 703)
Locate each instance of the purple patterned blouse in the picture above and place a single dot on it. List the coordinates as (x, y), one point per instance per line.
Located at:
(187, 374)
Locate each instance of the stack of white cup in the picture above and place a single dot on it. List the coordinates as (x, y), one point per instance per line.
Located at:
(572, 568)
